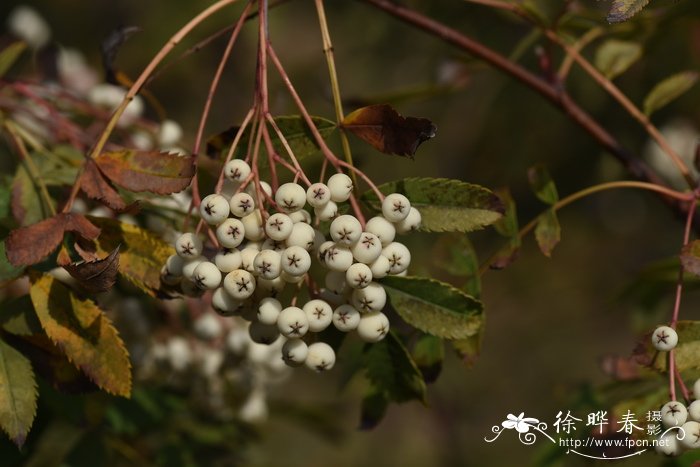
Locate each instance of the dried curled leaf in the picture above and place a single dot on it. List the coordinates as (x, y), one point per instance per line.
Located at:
(18, 394)
(96, 276)
(157, 172)
(622, 10)
(31, 244)
(97, 187)
(388, 132)
(84, 333)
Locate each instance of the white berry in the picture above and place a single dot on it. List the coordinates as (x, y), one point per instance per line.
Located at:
(296, 261)
(279, 226)
(338, 258)
(382, 228)
(272, 287)
(370, 298)
(694, 411)
(319, 315)
(318, 195)
(380, 267)
(367, 249)
(290, 197)
(302, 235)
(253, 225)
(188, 246)
(322, 251)
(326, 212)
(237, 170)
(268, 264)
(207, 276)
(248, 256)
(269, 310)
(214, 209)
(302, 215)
(223, 303)
(321, 357)
(346, 318)
(294, 352)
(345, 230)
(263, 333)
(664, 338)
(166, 277)
(292, 322)
(230, 233)
(340, 186)
(399, 257)
(373, 326)
(410, 223)
(240, 284)
(174, 265)
(241, 204)
(691, 435)
(207, 326)
(668, 444)
(395, 207)
(291, 278)
(358, 276)
(190, 266)
(673, 413)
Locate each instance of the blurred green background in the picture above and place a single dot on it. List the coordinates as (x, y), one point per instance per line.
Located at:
(549, 321)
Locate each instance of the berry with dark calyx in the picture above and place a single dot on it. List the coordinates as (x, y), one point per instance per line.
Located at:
(237, 170)
(188, 246)
(664, 338)
(410, 223)
(241, 204)
(395, 207)
(230, 233)
(240, 284)
(290, 197)
(367, 248)
(338, 258)
(382, 228)
(214, 209)
(294, 352)
(380, 267)
(326, 212)
(207, 276)
(399, 257)
(673, 413)
(268, 264)
(370, 298)
(296, 261)
(346, 318)
(321, 357)
(319, 315)
(292, 322)
(358, 276)
(340, 186)
(318, 195)
(373, 327)
(345, 230)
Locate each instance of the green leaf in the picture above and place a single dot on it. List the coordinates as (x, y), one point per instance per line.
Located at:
(542, 184)
(17, 394)
(141, 254)
(428, 353)
(27, 205)
(391, 370)
(547, 232)
(456, 255)
(85, 334)
(374, 406)
(669, 90)
(469, 349)
(622, 10)
(446, 205)
(614, 57)
(434, 307)
(294, 129)
(7, 270)
(508, 227)
(9, 56)
(17, 317)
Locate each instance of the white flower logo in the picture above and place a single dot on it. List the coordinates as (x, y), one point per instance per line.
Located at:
(521, 423)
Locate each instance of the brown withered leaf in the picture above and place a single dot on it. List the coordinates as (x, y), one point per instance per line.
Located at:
(157, 172)
(31, 244)
(387, 131)
(97, 187)
(96, 276)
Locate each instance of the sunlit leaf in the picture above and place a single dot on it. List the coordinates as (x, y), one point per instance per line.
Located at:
(445, 205)
(669, 90)
(614, 56)
(382, 127)
(622, 10)
(153, 171)
(84, 333)
(547, 232)
(9, 55)
(434, 307)
(542, 184)
(17, 394)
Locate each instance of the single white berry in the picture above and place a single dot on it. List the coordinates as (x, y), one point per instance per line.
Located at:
(237, 170)
(321, 357)
(673, 413)
(319, 314)
(223, 303)
(189, 246)
(207, 276)
(345, 230)
(268, 264)
(294, 352)
(292, 279)
(250, 245)
(269, 310)
(410, 223)
(292, 322)
(240, 284)
(190, 265)
(367, 248)
(253, 226)
(380, 267)
(399, 257)
(230, 233)
(169, 133)
(664, 338)
(279, 226)
(272, 287)
(241, 204)
(346, 318)
(690, 437)
(358, 276)
(174, 265)
(370, 298)
(296, 261)
(302, 215)
(214, 209)
(373, 326)
(382, 228)
(179, 353)
(207, 326)
(248, 256)
(395, 207)
(263, 333)
(335, 282)
(694, 411)
(340, 186)
(290, 197)
(302, 235)
(264, 187)
(668, 444)
(270, 244)
(318, 194)
(326, 212)
(338, 258)
(228, 260)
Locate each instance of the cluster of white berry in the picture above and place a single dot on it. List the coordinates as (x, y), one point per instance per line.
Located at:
(262, 252)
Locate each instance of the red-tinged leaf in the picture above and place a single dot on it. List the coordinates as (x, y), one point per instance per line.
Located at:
(157, 172)
(387, 131)
(84, 333)
(96, 276)
(97, 187)
(690, 257)
(547, 232)
(31, 244)
(17, 394)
